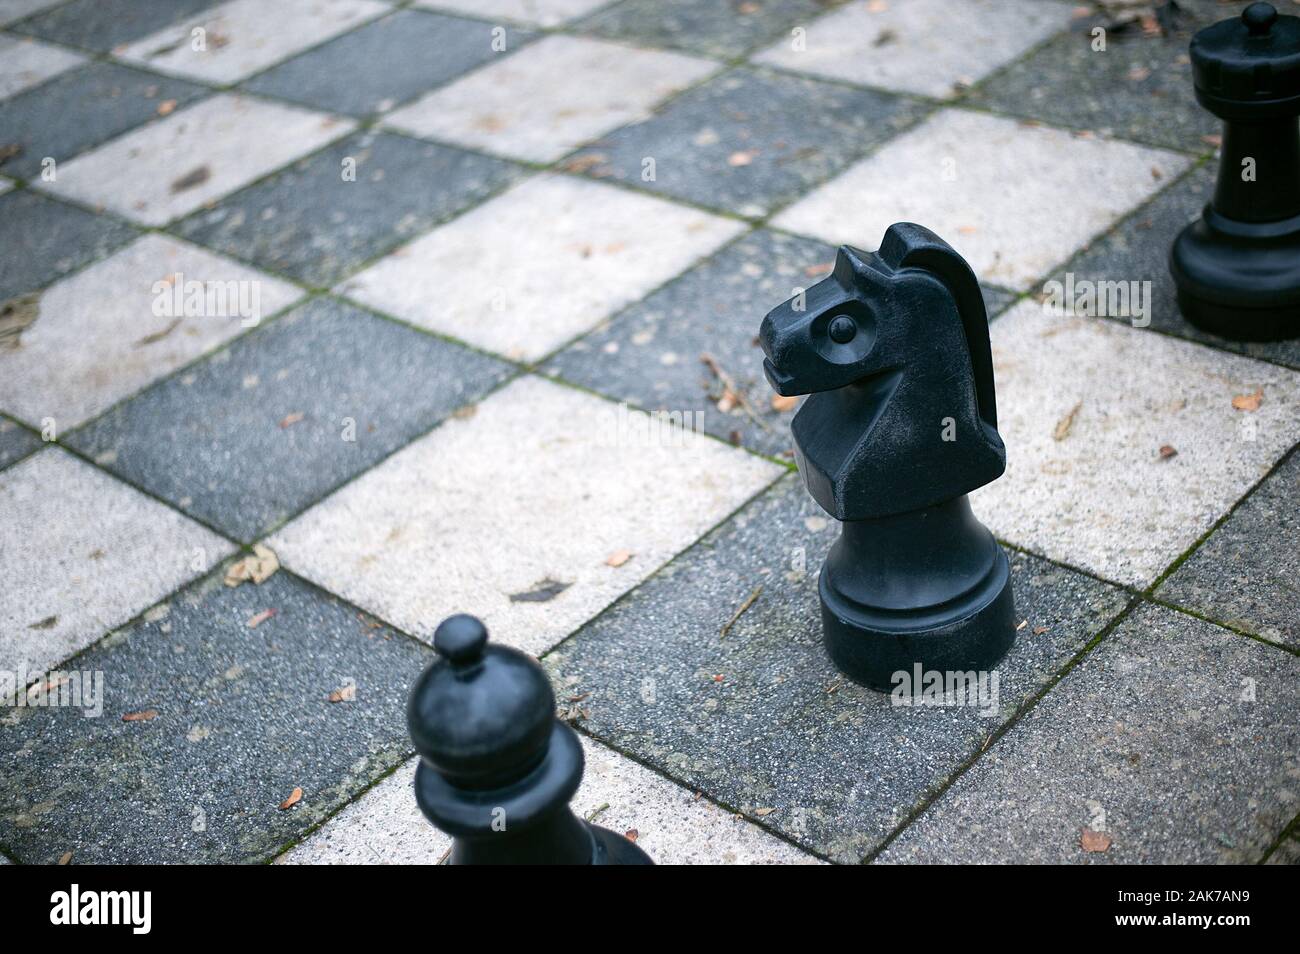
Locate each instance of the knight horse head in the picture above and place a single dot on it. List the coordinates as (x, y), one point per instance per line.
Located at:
(893, 348)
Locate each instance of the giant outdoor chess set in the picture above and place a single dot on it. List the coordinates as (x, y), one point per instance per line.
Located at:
(464, 247)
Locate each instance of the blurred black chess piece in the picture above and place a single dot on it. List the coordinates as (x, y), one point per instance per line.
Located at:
(498, 768)
(1238, 267)
(900, 425)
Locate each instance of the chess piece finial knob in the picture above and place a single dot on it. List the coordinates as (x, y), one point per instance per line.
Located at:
(1259, 18)
(899, 426)
(497, 768)
(1237, 268)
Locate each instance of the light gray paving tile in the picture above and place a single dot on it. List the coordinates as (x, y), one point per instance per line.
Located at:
(243, 36)
(546, 260)
(194, 156)
(25, 62)
(671, 824)
(1015, 200)
(84, 553)
(540, 12)
(1085, 406)
(550, 97)
(520, 513)
(114, 328)
(931, 47)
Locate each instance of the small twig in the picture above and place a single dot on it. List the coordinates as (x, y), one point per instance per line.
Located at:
(729, 383)
(749, 601)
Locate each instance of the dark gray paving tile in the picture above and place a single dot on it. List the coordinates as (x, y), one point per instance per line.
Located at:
(1138, 250)
(105, 24)
(224, 440)
(709, 27)
(1247, 574)
(384, 63)
(83, 108)
(44, 239)
(243, 718)
(652, 354)
(996, 300)
(308, 222)
(748, 141)
(760, 719)
(1174, 738)
(15, 442)
(1139, 88)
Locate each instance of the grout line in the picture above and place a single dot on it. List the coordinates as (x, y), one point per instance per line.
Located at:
(1223, 518)
(695, 790)
(1028, 705)
(1291, 830)
(1137, 597)
(627, 595)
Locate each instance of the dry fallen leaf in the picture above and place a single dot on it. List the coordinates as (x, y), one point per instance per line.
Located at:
(1094, 841)
(763, 812)
(289, 420)
(782, 404)
(142, 716)
(618, 558)
(1023, 623)
(1248, 402)
(1062, 429)
(346, 693)
(742, 158)
(1039, 630)
(259, 567)
(1167, 451)
(65, 858)
(631, 834)
(293, 799)
(542, 592)
(258, 619)
(166, 106)
(580, 164)
(194, 177)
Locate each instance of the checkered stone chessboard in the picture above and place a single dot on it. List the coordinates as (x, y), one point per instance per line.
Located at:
(319, 325)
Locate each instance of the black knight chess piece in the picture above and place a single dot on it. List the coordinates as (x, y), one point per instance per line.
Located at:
(899, 426)
(1237, 268)
(498, 768)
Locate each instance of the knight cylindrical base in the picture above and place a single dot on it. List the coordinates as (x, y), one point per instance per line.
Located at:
(930, 587)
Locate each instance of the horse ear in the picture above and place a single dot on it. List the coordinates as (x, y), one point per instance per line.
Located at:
(907, 245)
(855, 272)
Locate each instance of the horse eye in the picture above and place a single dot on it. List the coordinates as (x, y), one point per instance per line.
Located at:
(843, 329)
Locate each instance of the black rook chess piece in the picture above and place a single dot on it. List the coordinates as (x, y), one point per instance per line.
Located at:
(498, 768)
(1238, 267)
(900, 425)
